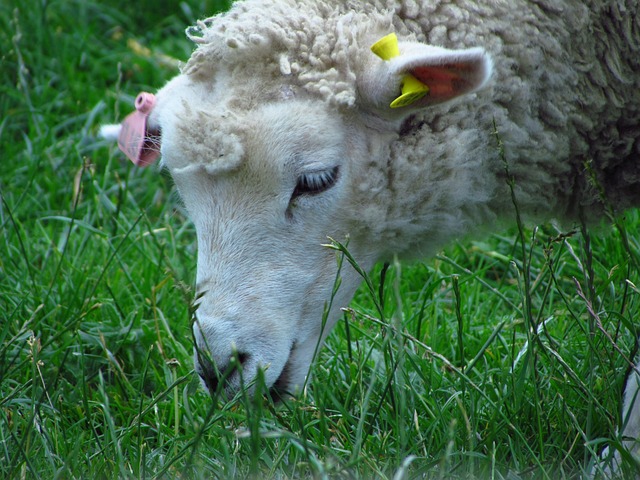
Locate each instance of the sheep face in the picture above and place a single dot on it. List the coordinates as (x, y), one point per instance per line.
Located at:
(268, 172)
(265, 190)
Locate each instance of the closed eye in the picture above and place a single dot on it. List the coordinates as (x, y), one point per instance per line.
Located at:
(313, 183)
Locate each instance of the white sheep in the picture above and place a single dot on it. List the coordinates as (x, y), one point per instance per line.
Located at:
(279, 132)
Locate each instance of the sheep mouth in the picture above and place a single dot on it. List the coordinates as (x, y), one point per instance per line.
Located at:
(280, 389)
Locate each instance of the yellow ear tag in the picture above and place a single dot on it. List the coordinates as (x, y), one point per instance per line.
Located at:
(412, 89)
(387, 47)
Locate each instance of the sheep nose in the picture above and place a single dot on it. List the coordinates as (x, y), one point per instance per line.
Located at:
(214, 373)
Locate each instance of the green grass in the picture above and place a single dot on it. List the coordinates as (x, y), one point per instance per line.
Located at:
(499, 359)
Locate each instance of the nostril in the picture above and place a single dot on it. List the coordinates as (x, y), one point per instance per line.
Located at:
(237, 363)
(208, 373)
(213, 373)
(241, 358)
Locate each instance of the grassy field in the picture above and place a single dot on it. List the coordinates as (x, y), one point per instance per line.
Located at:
(499, 359)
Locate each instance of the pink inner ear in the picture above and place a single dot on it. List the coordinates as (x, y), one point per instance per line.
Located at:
(446, 81)
(136, 140)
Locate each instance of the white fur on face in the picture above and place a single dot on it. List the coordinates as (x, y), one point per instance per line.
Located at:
(263, 276)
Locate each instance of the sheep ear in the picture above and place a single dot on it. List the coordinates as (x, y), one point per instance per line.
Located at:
(414, 75)
(446, 73)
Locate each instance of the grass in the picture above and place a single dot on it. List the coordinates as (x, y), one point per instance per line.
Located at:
(498, 359)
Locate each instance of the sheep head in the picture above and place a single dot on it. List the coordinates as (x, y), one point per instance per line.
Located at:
(265, 189)
(269, 170)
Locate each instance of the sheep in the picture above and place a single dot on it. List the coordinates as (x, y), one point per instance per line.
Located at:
(285, 127)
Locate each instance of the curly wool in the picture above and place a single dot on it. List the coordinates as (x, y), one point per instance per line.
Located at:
(311, 44)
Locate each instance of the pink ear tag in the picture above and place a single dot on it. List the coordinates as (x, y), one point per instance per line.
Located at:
(141, 145)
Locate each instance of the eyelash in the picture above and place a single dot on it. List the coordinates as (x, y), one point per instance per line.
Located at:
(316, 182)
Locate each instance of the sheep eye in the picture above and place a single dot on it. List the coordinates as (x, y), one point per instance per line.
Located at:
(315, 182)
